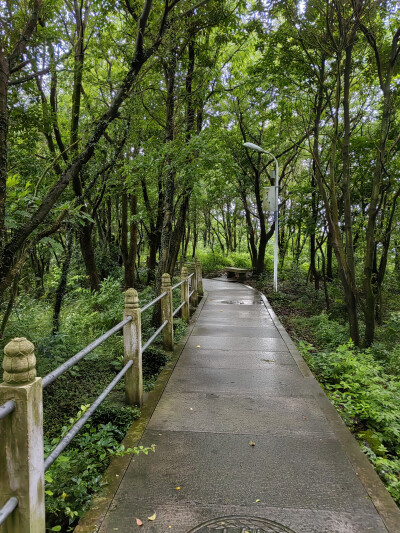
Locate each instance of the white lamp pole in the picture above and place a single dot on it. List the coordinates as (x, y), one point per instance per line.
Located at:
(276, 213)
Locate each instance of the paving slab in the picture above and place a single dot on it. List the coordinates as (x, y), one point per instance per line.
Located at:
(242, 343)
(246, 441)
(252, 304)
(259, 332)
(302, 471)
(275, 380)
(182, 517)
(219, 319)
(233, 413)
(234, 359)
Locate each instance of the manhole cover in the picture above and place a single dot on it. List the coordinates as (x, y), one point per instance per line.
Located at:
(241, 524)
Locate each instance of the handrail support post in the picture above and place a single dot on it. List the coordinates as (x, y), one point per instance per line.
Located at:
(21, 439)
(167, 313)
(199, 276)
(133, 349)
(185, 294)
(193, 286)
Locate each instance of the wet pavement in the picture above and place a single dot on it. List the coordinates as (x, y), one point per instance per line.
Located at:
(246, 440)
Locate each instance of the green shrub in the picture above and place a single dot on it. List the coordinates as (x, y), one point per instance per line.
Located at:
(76, 475)
(216, 261)
(212, 261)
(324, 331)
(368, 400)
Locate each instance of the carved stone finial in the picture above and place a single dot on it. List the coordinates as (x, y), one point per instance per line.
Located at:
(131, 299)
(19, 362)
(184, 272)
(197, 260)
(166, 280)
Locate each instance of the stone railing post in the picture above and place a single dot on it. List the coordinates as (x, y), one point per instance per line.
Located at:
(185, 294)
(133, 349)
(193, 287)
(21, 440)
(199, 275)
(167, 313)
(182, 262)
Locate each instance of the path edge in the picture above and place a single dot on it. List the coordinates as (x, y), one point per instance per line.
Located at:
(376, 490)
(93, 518)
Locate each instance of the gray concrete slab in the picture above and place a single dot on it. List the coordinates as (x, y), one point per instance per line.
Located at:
(234, 359)
(223, 469)
(233, 413)
(236, 304)
(259, 332)
(239, 343)
(219, 319)
(239, 311)
(275, 380)
(240, 381)
(239, 290)
(185, 516)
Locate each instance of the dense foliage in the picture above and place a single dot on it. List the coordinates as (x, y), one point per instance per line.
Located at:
(122, 126)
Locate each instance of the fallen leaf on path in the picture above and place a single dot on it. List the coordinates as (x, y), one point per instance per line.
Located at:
(152, 517)
(178, 488)
(198, 346)
(257, 500)
(139, 522)
(252, 443)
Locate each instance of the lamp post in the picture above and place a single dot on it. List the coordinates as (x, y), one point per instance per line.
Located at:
(259, 149)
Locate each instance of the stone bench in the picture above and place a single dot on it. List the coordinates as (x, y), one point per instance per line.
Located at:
(238, 273)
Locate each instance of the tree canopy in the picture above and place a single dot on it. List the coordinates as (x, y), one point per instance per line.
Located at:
(122, 126)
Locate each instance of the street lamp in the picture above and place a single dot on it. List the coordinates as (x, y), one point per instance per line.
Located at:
(259, 149)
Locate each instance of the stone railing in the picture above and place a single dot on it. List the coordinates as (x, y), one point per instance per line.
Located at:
(22, 461)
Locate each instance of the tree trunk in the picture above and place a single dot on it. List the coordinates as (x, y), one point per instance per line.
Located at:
(62, 284)
(133, 243)
(4, 75)
(314, 214)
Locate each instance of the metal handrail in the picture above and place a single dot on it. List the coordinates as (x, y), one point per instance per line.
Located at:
(153, 301)
(178, 309)
(154, 335)
(52, 376)
(191, 293)
(7, 509)
(7, 408)
(190, 275)
(82, 421)
(178, 284)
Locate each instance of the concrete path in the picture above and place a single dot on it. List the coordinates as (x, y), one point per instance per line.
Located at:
(246, 440)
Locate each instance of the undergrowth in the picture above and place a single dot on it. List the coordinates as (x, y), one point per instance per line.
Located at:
(368, 399)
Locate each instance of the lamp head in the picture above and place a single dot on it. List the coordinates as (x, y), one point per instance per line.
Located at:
(255, 147)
